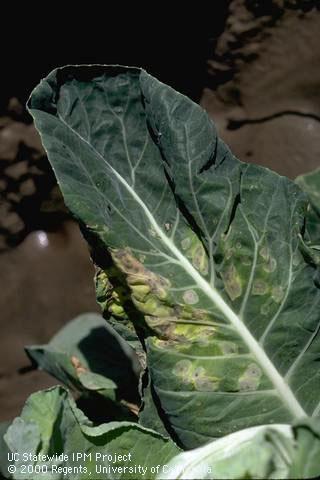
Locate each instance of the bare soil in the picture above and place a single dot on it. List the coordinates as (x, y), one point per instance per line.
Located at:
(46, 275)
(263, 87)
(263, 92)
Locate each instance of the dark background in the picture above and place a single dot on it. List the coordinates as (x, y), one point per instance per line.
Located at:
(44, 286)
(172, 46)
(249, 63)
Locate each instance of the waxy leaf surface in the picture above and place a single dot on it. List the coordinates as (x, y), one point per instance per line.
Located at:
(277, 451)
(209, 247)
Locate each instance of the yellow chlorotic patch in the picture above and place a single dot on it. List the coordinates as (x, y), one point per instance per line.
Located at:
(194, 334)
(195, 251)
(200, 260)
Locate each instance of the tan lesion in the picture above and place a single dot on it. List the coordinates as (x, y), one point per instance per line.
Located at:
(232, 282)
(151, 295)
(251, 378)
(196, 376)
(142, 281)
(149, 292)
(77, 365)
(110, 297)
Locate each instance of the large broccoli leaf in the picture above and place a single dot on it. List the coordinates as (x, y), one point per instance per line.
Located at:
(210, 248)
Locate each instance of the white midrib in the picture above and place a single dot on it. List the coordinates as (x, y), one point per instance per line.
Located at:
(187, 462)
(270, 370)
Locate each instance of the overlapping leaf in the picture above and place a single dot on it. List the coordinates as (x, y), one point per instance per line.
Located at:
(89, 356)
(310, 184)
(210, 248)
(51, 425)
(278, 451)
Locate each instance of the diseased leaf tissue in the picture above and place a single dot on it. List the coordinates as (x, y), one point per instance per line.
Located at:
(208, 268)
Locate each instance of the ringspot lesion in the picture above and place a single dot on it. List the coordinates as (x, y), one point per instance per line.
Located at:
(194, 250)
(206, 353)
(155, 297)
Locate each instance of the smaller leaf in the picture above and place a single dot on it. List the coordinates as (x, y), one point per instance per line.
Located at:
(257, 452)
(51, 425)
(89, 355)
(277, 451)
(98, 383)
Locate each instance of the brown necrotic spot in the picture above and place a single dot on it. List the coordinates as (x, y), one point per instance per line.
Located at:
(142, 281)
(199, 372)
(126, 261)
(253, 370)
(250, 379)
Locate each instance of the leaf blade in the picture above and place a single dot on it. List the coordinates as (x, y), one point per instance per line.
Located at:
(160, 240)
